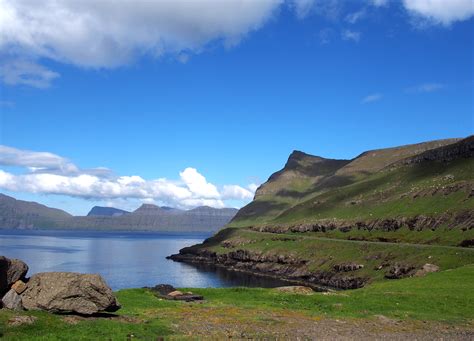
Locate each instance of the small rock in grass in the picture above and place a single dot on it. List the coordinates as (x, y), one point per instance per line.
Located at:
(427, 268)
(20, 320)
(175, 293)
(296, 289)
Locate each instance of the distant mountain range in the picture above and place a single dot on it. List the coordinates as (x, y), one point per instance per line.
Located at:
(19, 214)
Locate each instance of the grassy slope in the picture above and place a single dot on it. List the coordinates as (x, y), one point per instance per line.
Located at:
(324, 253)
(382, 195)
(444, 297)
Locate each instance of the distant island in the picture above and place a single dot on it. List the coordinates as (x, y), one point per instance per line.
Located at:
(19, 214)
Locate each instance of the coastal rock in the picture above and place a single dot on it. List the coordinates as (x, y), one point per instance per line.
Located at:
(11, 270)
(296, 289)
(12, 300)
(69, 292)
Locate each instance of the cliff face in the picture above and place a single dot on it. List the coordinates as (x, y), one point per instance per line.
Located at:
(21, 214)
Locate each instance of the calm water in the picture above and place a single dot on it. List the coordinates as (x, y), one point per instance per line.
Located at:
(124, 259)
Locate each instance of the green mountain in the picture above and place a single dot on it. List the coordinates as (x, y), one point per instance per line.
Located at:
(344, 223)
(18, 214)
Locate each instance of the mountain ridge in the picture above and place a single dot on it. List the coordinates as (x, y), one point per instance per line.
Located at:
(19, 214)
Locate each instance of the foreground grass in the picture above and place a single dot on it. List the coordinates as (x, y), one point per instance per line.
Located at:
(440, 298)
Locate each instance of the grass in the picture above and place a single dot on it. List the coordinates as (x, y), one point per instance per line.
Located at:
(323, 253)
(446, 297)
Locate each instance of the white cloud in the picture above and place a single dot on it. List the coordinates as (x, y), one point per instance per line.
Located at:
(379, 3)
(351, 35)
(444, 12)
(49, 173)
(252, 187)
(354, 17)
(22, 72)
(426, 87)
(110, 33)
(303, 7)
(198, 184)
(237, 192)
(10, 156)
(372, 98)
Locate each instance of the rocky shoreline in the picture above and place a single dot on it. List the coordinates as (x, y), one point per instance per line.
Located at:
(281, 267)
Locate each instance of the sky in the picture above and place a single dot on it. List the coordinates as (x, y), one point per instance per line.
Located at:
(188, 103)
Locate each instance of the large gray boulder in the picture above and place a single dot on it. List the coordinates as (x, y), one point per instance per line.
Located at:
(12, 300)
(69, 292)
(11, 270)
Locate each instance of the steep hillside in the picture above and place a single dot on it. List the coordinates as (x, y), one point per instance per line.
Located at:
(344, 186)
(24, 214)
(389, 213)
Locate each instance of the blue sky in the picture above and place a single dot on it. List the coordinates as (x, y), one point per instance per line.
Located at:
(229, 103)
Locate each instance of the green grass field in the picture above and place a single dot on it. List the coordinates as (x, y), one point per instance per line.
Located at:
(443, 299)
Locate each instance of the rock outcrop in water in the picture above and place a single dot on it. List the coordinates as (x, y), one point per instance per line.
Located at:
(56, 292)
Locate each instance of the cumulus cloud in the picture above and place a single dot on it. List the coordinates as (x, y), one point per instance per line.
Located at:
(237, 192)
(425, 87)
(109, 33)
(371, 98)
(444, 12)
(48, 173)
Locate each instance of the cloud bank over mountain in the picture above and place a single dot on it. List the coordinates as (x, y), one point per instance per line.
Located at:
(48, 173)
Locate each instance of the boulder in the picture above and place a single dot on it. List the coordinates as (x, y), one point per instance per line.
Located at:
(69, 292)
(169, 292)
(19, 286)
(12, 300)
(296, 289)
(11, 270)
(163, 289)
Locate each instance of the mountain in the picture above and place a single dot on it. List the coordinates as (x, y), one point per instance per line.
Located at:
(344, 223)
(20, 214)
(24, 214)
(106, 211)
